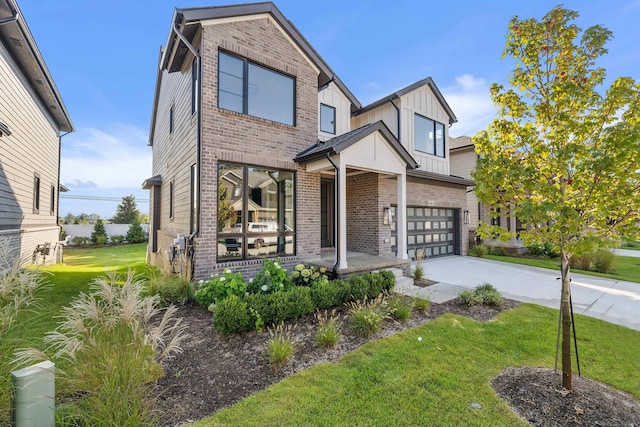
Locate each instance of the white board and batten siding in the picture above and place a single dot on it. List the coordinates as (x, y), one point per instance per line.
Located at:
(463, 161)
(333, 97)
(386, 113)
(422, 101)
(31, 150)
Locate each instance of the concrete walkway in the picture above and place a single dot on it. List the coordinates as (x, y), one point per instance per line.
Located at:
(612, 300)
(627, 252)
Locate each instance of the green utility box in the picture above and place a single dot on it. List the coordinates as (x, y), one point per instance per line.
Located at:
(33, 396)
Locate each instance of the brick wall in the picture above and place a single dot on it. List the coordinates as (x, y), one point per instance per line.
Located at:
(364, 215)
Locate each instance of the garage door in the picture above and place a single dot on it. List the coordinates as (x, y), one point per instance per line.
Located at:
(431, 232)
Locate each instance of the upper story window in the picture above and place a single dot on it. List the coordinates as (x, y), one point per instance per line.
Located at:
(171, 119)
(429, 136)
(36, 193)
(248, 88)
(327, 119)
(194, 86)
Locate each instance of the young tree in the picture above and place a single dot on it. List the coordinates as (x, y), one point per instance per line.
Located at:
(564, 154)
(99, 235)
(127, 211)
(135, 234)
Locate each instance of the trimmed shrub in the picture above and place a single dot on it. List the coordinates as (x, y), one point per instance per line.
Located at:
(360, 287)
(80, 241)
(300, 302)
(543, 249)
(326, 294)
(498, 251)
(389, 280)
(232, 315)
(117, 239)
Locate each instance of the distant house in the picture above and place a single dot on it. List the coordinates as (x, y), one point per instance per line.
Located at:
(33, 119)
(463, 161)
(261, 151)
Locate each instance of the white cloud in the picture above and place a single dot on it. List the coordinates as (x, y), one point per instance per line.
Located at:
(469, 99)
(117, 158)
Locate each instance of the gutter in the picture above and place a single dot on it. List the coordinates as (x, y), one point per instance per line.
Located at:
(196, 54)
(336, 230)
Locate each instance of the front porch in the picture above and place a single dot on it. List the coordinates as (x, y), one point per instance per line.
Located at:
(359, 263)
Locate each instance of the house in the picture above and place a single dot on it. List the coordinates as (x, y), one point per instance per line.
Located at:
(463, 161)
(260, 150)
(33, 119)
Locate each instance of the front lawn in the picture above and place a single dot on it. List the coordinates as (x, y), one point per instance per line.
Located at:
(405, 380)
(626, 268)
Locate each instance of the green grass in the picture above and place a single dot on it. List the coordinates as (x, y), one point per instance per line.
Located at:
(80, 268)
(402, 381)
(626, 268)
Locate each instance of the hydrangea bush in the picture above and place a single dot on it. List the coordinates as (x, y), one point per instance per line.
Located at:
(308, 275)
(272, 277)
(219, 287)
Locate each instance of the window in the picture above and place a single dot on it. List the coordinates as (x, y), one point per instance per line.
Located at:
(171, 119)
(255, 212)
(194, 199)
(36, 193)
(194, 86)
(429, 136)
(52, 210)
(327, 119)
(248, 88)
(171, 200)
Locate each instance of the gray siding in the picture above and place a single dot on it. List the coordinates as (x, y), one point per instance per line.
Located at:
(32, 148)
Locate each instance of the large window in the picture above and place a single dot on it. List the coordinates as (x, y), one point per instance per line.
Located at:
(327, 119)
(429, 136)
(255, 212)
(248, 88)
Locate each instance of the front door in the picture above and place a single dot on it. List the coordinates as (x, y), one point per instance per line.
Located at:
(326, 213)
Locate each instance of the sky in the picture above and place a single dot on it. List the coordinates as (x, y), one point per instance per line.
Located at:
(103, 56)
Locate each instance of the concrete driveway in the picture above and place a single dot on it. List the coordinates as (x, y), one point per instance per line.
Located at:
(615, 301)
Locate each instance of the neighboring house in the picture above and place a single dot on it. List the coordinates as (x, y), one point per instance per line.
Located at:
(260, 150)
(463, 158)
(33, 120)
(463, 161)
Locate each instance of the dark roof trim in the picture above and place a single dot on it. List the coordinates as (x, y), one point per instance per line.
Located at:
(451, 179)
(148, 183)
(174, 55)
(62, 188)
(342, 142)
(429, 82)
(463, 147)
(19, 42)
(156, 98)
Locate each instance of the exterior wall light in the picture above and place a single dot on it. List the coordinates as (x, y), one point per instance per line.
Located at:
(386, 216)
(466, 219)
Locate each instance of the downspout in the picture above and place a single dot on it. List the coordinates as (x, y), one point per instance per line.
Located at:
(196, 54)
(336, 231)
(59, 166)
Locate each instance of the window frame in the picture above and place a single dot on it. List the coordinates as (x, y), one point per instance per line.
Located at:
(245, 234)
(36, 193)
(333, 122)
(436, 124)
(52, 209)
(245, 87)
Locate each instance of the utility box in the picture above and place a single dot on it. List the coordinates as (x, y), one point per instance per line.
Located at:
(33, 396)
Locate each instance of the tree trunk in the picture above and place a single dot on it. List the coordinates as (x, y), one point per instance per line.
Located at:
(566, 322)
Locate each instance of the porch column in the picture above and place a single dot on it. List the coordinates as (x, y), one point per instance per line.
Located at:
(401, 222)
(342, 214)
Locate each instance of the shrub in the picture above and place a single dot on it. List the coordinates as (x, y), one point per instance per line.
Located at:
(360, 288)
(169, 288)
(388, 280)
(482, 294)
(543, 249)
(99, 235)
(271, 278)
(219, 287)
(581, 262)
(328, 332)
(308, 275)
(300, 302)
(603, 261)
(479, 251)
(80, 241)
(498, 251)
(418, 272)
(280, 347)
(366, 317)
(117, 239)
(326, 294)
(232, 315)
(421, 304)
(399, 307)
(115, 339)
(135, 234)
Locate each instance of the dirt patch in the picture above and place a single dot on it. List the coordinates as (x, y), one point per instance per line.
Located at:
(536, 394)
(423, 283)
(215, 371)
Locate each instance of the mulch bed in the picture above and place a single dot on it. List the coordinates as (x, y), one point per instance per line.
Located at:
(215, 371)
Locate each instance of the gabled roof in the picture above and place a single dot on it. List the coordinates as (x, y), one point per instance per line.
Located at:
(148, 183)
(175, 50)
(460, 142)
(17, 39)
(344, 141)
(429, 82)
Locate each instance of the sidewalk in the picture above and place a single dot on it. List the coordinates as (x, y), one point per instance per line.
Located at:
(611, 300)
